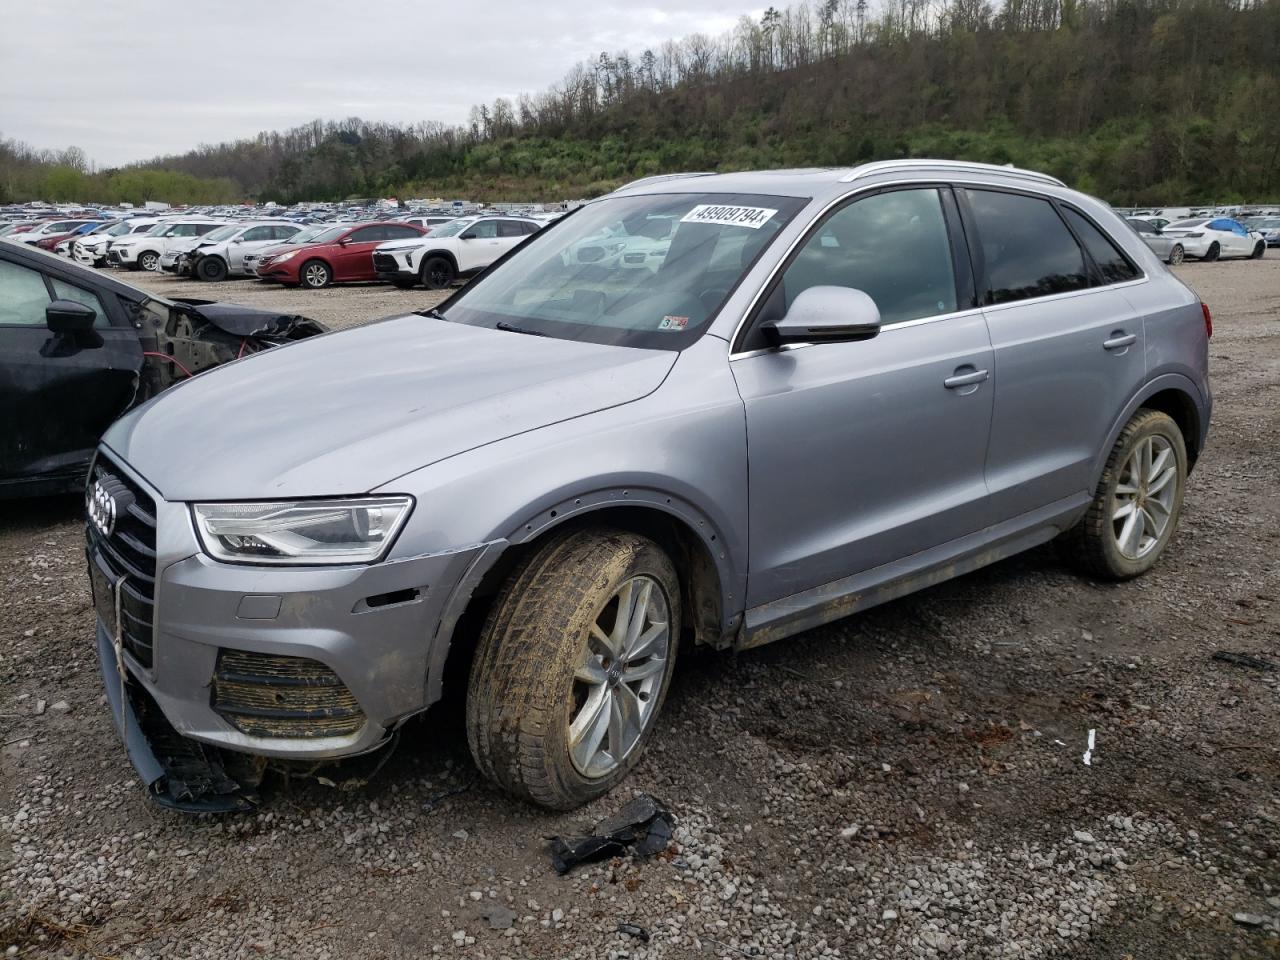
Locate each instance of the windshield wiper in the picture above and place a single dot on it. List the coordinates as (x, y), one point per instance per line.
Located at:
(432, 313)
(512, 328)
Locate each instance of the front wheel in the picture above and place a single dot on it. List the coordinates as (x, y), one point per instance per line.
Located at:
(437, 273)
(212, 269)
(315, 274)
(572, 667)
(1212, 253)
(1177, 254)
(1258, 251)
(1137, 502)
(148, 261)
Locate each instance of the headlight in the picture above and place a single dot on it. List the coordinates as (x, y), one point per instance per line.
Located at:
(302, 532)
(286, 256)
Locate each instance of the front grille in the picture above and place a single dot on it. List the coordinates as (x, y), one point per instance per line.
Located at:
(634, 258)
(385, 263)
(113, 256)
(270, 696)
(130, 551)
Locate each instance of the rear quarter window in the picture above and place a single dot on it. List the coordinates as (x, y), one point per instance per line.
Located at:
(1113, 265)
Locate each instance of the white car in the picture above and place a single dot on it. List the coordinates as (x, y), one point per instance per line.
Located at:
(459, 248)
(229, 251)
(143, 251)
(426, 221)
(1209, 239)
(91, 251)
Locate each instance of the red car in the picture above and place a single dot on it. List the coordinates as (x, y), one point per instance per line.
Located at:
(341, 254)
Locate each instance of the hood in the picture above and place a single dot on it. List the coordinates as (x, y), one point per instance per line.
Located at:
(351, 411)
(185, 244)
(409, 243)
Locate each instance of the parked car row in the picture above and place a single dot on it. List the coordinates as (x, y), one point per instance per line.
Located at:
(1205, 238)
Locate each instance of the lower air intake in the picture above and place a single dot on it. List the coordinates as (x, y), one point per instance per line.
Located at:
(287, 697)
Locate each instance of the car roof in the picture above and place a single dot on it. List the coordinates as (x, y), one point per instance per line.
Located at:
(815, 181)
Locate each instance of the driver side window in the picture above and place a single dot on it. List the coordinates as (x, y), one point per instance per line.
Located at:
(23, 296)
(892, 246)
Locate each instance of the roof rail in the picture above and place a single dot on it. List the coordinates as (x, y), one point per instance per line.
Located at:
(663, 176)
(882, 166)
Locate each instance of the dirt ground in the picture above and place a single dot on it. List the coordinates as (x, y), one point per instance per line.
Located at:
(905, 783)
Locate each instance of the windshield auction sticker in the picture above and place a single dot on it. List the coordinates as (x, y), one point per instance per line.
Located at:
(753, 217)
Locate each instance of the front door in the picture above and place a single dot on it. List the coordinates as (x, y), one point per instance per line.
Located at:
(479, 246)
(863, 453)
(56, 399)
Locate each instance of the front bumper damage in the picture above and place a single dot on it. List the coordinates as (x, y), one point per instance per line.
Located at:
(252, 670)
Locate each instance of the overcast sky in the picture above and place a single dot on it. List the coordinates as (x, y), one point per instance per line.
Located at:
(130, 80)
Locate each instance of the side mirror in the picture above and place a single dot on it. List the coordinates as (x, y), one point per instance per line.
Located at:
(470, 236)
(69, 316)
(827, 315)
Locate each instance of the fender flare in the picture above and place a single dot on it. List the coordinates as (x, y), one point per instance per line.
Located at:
(1167, 381)
(517, 531)
(447, 254)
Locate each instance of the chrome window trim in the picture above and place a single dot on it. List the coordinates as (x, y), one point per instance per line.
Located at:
(882, 166)
(934, 181)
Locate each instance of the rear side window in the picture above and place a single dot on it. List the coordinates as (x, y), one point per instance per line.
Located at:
(510, 228)
(891, 246)
(395, 232)
(1028, 250)
(1112, 264)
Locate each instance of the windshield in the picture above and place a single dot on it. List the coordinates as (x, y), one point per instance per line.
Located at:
(327, 235)
(307, 235)
(222, 233)
(452, 228)
(159, 230)
(647, 271)
(119, 230)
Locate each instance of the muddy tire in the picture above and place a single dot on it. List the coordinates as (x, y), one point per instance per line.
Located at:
(212, 269)
(548, 706)
(437, 273)
(1137, 503)
(315, 275)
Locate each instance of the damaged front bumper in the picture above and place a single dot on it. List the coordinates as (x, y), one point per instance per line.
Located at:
(216, 671)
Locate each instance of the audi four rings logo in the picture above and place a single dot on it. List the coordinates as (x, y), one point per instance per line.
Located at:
(102, 509)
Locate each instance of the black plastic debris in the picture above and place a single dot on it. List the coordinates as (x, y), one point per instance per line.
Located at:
(631, 930)
(643, 824)
(1244, 660)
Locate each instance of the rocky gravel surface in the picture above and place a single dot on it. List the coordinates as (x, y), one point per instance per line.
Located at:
(906, 783)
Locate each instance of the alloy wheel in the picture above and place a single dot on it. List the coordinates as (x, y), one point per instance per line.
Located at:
(1144, 497)
(316, 275)
(619, 676)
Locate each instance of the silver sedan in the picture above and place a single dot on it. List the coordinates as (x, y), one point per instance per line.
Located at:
(1167, 249)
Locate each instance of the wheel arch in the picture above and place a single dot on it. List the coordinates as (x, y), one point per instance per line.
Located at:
(447, 254)
(1172, 394)
(710, 613)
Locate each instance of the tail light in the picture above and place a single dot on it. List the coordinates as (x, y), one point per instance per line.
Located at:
(1208, 320)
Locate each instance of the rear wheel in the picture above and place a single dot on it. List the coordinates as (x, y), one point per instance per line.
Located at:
(1137, 502)
(148, 260)
(572, 667)
(437, 273)
(1213, 251)
(315, 274)
(1177, 254)
(212, 269)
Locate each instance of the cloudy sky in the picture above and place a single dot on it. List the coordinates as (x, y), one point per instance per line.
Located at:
(130, 80)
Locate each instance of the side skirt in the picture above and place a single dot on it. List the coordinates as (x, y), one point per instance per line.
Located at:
(788, 616)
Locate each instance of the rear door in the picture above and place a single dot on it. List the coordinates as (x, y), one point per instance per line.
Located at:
(1069, 347)
(56, 396)
(863, 453)
(510, 234)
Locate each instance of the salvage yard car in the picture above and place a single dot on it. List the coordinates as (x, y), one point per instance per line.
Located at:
(1166, 248)
(1215, 238)
(142, 251)
(77, 349)
(341, 254)
(92, 250)
(223, 253)
(838, 386)
(460, 248)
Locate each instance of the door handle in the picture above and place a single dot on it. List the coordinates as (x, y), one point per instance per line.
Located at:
(964, 379)
(1119, 340)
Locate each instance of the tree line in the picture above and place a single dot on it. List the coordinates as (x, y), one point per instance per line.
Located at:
(1138, 101)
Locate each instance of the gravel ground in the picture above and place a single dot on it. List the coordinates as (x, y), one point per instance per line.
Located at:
(905, 783)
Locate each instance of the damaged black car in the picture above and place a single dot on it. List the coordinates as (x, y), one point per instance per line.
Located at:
(78, 349)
